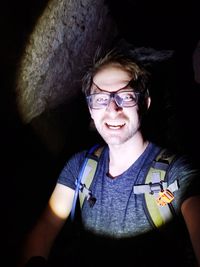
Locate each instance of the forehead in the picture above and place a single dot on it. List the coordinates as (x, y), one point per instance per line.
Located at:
(111, 78)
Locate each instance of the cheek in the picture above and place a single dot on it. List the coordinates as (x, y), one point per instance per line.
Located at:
(92, 113)
(95, 115)
(132, 113)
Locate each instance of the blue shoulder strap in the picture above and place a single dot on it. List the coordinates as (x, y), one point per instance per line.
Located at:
(85, 178)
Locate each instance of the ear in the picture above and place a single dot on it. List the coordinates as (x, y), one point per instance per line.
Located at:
(148, 102)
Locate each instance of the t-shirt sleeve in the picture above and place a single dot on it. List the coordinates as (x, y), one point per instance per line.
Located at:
(71, 170)
(188, 176)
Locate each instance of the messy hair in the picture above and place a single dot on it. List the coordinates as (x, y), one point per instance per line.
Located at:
(116, 57)
(137, 61)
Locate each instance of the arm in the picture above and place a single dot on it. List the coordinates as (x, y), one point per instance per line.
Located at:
(40, 240)
(191, 213)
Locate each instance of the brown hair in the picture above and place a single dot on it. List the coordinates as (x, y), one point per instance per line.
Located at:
(139, 75)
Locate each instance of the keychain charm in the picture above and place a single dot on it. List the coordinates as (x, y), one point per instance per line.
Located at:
(165, 197)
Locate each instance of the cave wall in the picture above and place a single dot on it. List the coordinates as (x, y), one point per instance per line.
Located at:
(62, 43)
(44, 50)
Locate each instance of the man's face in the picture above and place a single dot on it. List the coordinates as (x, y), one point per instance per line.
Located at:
(115, 124)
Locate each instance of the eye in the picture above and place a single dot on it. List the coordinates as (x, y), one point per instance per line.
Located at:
(101, 98)
(128, 96)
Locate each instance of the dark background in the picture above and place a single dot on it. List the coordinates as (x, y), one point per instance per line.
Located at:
(28, 170)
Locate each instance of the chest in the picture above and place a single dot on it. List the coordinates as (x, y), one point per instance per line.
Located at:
(117, 211)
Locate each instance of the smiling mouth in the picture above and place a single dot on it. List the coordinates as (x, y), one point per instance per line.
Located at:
(115, 126)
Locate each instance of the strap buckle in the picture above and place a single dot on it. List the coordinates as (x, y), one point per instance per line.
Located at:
(165, 197)
(155, 188)
(88, 194)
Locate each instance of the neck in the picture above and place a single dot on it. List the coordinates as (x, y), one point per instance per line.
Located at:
(124, 155)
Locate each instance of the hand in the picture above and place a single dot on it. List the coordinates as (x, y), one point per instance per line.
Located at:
(37, 261)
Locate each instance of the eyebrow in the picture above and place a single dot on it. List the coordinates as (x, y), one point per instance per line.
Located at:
(100, 89)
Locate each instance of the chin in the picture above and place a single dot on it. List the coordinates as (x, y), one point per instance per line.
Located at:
(114, 140)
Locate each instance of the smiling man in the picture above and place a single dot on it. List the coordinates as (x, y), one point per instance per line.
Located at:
(117, 92)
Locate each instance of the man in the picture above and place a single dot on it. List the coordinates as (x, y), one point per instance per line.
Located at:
(117, 226)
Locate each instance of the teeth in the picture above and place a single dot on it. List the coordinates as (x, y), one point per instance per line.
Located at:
(117, 126)
(114, 127)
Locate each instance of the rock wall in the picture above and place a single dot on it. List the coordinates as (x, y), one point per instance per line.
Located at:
(63, 41)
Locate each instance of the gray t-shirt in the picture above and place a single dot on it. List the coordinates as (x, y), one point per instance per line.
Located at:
(119, 213)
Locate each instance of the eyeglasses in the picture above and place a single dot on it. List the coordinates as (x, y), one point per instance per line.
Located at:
(123, 98)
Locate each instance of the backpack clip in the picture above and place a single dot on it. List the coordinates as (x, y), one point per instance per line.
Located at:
(155, 188)
(165, 197)
(88, 194)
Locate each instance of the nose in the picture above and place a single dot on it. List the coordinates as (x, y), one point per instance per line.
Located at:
(113, 106)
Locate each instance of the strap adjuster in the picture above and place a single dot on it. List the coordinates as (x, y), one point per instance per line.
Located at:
(155, 188)
(88, 194)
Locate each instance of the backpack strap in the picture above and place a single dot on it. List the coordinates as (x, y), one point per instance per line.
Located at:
(157, 193)
(85, 177)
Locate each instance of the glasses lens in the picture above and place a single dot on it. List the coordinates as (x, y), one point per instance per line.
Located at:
(98, 101)
(122, 99)
(128, 98)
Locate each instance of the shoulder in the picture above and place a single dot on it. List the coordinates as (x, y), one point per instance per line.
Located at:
(178, 161)
(184, 164)
(71, 169)
(181, 166)
(187, 173)
(76, 159)
(73, 164)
